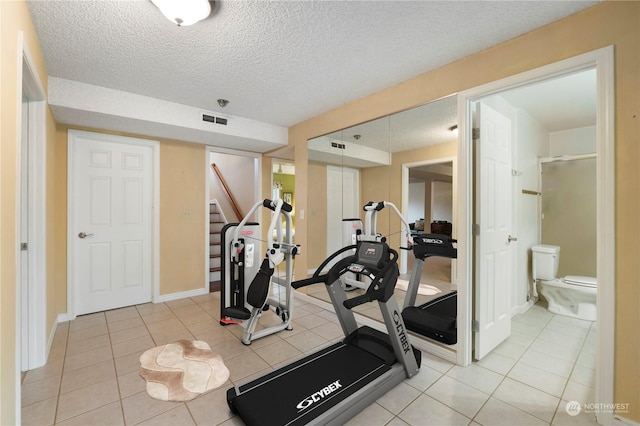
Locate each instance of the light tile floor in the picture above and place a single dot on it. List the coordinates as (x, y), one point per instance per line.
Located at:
(92, 374)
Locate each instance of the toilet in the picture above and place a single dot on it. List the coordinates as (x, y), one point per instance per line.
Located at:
(573, 296)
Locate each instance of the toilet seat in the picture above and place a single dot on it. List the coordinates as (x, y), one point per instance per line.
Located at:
(581, 281)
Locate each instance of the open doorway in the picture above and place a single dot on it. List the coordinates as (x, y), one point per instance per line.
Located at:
(600, 62)
(232, 189)
(428, 199)
(283, 186)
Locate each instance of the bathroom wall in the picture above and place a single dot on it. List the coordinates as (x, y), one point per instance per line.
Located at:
(572, 142)
(569, 201)
(529, 137)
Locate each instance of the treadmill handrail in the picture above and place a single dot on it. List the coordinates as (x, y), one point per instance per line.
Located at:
(331, 257)
(309, 281)
(374, 292)
(316, 277)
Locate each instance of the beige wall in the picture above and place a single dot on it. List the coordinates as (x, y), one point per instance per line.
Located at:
(182, 236)
(609, 23)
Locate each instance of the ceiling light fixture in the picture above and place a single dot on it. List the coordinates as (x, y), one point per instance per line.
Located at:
(184, 12)
(223, 102)
(356, 137)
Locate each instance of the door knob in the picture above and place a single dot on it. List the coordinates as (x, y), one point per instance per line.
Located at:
(84, 235)
(510, 238)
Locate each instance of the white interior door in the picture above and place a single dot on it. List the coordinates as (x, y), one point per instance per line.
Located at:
(493, 215)
(111, 221)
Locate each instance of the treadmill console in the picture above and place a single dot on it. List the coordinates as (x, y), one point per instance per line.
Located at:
(372, 254)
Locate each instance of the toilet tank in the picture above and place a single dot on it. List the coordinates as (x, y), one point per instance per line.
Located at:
(545, 261)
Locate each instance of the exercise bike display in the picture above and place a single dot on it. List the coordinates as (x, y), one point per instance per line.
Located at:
(335, 383)
(244, 304)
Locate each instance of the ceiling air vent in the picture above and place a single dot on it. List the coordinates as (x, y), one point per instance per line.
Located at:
(212, 119)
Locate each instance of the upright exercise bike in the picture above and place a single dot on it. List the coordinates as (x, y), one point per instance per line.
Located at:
(244, 304)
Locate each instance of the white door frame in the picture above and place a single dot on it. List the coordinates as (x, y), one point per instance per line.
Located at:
(72, 238)
(603, 61)
(454, 210)
(257, 193)
(35, 328)
(35, 331)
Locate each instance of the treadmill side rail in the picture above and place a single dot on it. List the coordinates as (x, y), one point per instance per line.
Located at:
(398, 335)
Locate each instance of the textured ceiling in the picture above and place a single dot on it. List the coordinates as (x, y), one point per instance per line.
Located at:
(278, 62)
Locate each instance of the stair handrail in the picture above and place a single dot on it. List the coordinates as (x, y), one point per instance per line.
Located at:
(227, 191)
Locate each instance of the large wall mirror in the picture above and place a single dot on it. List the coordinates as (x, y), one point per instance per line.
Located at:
(407, 158)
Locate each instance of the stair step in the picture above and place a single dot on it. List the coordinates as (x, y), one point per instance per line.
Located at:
(215, 262)
(215, 286)
(216, 223)
(216, 227)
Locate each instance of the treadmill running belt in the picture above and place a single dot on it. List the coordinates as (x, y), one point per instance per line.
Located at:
(435, 319)
(304, 389)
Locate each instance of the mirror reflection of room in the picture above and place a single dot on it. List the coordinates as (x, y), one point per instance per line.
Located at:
(283, 186)
(430, 211)
(365, 163)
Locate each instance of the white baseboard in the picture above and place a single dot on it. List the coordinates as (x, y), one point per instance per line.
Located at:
(619, 420)
(181, 295)
(52, 334)
(523, 308)
(64, 318)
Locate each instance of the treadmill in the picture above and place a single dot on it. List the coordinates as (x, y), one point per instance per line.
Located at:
(435, 319)
(334, 384)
